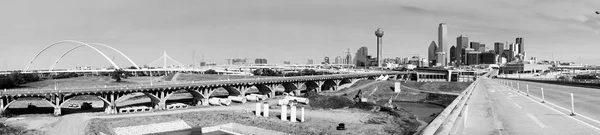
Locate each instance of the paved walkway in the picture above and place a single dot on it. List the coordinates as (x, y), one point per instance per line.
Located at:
(497, 109)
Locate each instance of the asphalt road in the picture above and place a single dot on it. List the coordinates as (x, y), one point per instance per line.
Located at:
(587, 100)
(497, 109)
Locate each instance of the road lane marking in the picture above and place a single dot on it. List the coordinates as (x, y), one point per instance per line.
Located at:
(517, 105)
(553, 108)
(536, 120)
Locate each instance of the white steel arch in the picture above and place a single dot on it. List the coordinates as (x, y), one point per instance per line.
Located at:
(67, 52)
(69, 41)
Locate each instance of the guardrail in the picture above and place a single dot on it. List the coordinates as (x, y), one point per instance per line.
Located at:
(158, 85)
(574, 81)
(445, 122)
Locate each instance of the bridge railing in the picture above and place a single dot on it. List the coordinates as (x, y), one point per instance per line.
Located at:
(446, 121)
(163, 84)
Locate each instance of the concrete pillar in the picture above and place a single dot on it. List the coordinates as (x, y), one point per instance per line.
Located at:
(283, 112)
(107, 108)
(57, 108)
(266, 109)
(258, 106)
(2, 104)
(204, 102)
(293, 113)
(302, 114)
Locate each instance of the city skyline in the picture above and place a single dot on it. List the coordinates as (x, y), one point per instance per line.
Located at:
(143, 30)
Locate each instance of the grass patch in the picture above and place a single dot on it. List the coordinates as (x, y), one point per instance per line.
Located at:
(210, 77)
(456, 87)
(12, 130)
(85, 82)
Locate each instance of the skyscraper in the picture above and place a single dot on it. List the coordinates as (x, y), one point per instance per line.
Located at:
(462, 42)
(348, 59)
(360, 59)
(519, 41)
(498, 48)
(442, 47)
(432, 53)
(338, 60)
(452, 54)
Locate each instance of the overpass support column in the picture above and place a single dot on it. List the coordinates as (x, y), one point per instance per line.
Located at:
(57, 100)
(3, 103)
(154, 98)
(110, 106)
(197, 96)
(337, 84)
(320, 84)
(206, 92)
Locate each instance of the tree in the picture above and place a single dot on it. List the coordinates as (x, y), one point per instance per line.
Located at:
(17, 78)
(210, 71)
(117, 75)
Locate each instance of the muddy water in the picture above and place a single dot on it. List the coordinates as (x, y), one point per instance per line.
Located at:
(423, 110)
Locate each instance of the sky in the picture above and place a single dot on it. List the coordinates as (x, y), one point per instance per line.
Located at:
(285, 30)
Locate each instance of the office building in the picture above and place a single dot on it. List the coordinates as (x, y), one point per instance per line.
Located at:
(487, 58)
(474, 46)
(361, 59)
(462, 42)
(498, 47)
(309, 61)
(443, 48)
(519, 41)
(473, 58)
(337, 60)
(432, 54)
(286, 62)
(238, 61)
(326, 60)
(348, 59)
(260, 61)
(453, 54)
(481, 48)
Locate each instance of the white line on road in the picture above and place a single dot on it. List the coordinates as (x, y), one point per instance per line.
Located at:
(553, 108)
(538, 122)
(518, 105)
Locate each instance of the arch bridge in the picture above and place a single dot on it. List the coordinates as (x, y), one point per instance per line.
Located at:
(200, 91)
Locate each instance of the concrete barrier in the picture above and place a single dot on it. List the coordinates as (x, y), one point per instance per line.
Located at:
(299, 99)
(444, 122)
(225, 101)
(214, 101)
(135, 109)
(237, 99)
(252, 98)
(261, 97)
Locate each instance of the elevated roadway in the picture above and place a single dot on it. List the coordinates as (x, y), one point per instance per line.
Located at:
(201, 91)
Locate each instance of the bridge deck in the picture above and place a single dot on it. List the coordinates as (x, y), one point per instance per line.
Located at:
(198, 83)
(498, 109)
